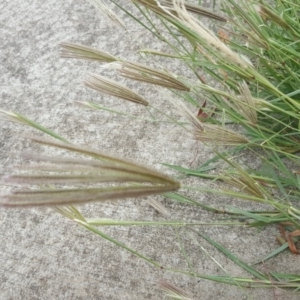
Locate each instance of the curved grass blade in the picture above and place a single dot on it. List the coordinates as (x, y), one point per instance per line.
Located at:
(18, 118)
(243, 265)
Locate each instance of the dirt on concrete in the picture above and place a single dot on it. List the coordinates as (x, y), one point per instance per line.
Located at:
(45, 256)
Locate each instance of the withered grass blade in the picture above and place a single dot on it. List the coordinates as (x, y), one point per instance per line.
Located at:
(159, 207)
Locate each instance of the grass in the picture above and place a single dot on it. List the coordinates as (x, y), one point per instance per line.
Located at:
(248, 70)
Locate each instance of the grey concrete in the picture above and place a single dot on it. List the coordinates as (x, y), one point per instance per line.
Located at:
(43, 255)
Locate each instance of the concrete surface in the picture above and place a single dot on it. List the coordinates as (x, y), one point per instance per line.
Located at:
(43, 255)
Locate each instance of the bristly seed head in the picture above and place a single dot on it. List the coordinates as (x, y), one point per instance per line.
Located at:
(70, 50)
(136, 180)
(146, 74)
(219, 135)
(108, 86)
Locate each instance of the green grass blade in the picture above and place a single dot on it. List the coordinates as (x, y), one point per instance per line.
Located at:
(15, 117)
(233, 257)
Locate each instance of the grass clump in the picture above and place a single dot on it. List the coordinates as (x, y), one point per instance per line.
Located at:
(247, 67)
